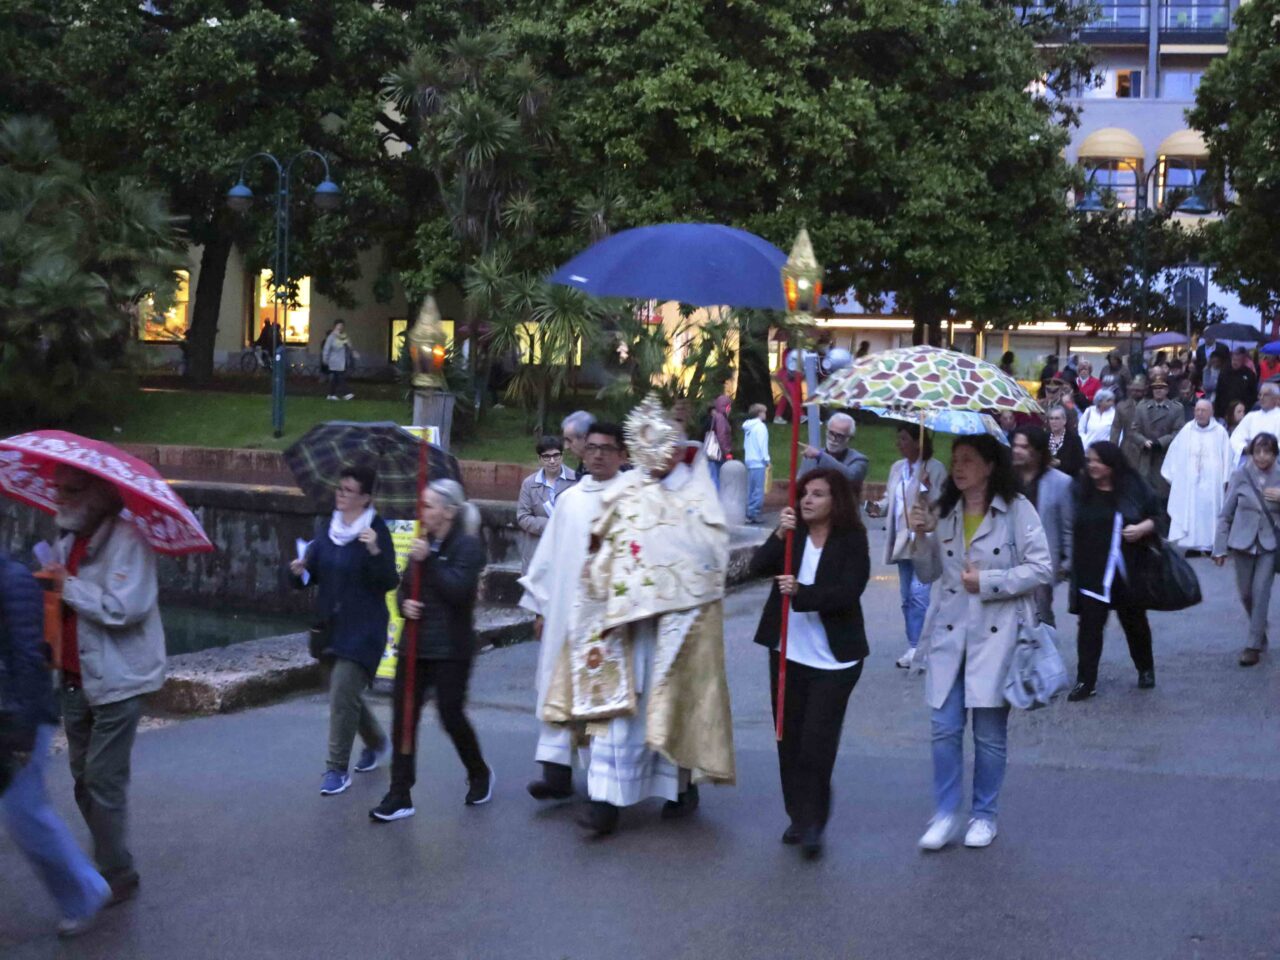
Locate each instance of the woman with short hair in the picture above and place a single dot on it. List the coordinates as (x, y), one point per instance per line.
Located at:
(1065, 449)
(1248, 527)
(1115, 511)
(826, 642)
(352, 562)
(445, 563)
(538, 493)
(984, 551)
(1097, 421)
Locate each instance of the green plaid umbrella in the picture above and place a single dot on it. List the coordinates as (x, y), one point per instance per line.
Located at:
(324, 450)
(925, 378)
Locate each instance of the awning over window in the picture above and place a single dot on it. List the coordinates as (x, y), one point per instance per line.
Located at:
(1112, 143)
(1184, 143)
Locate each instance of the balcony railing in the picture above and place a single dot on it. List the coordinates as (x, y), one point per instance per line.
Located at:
(1120, 15)
(1188, 16)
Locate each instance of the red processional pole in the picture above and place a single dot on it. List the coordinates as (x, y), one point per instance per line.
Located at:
(787, 557)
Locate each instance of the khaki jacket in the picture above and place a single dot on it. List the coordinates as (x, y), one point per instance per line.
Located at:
(934, 472)
(116, 599)
(978, 631)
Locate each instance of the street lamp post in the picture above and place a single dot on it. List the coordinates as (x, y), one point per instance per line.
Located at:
(327, 196)
(1192, 202)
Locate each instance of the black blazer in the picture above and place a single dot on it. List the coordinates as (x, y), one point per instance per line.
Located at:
(450, 582)
(835, 594)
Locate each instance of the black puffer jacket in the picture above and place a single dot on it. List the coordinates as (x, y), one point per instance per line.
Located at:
(450, 579)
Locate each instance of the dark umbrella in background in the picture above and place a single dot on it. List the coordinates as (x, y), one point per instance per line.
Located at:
(1234, 332)
(405, 464)
(322, 452)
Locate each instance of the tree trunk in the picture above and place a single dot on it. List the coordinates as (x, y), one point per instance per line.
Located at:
(929, 315)
(204, 314)
(754, 385)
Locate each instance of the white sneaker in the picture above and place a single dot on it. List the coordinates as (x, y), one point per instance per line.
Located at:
(782, 420)
(348, 396)
(331, 397)
(980, 833)
(905, 660)
(941, 830)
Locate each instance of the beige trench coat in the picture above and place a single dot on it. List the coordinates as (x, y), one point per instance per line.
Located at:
(978, 631)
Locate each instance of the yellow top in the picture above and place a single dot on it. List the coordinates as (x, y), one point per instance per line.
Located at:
(972, 521)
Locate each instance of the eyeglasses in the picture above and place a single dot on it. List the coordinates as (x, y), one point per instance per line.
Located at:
(602, 448)
(348, 491)
(837, 435)
(550, 455)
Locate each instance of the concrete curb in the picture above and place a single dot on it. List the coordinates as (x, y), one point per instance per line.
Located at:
(258, 672)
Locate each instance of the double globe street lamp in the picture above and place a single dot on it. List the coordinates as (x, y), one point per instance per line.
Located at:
(1189, 200)
(327, 196)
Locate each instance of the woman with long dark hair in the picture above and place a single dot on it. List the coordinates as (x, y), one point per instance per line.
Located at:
(826, 642)
(985, 553)
(1115, 511)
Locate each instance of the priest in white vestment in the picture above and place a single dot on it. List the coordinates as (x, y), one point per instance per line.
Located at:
(643, 665)
(1197, 466)
(551, 586)
(1264, 420)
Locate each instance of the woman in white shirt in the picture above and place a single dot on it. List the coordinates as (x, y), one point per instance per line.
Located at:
(1096, 422)
(826, 641)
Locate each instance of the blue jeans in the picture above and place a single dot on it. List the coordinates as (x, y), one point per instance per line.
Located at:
(46, 842)
(990, 735)
(755, 491)
(915, 600)
(715, 471)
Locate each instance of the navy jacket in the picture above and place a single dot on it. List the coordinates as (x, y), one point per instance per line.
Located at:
(351, 593)
(26, 686)
(450, 580)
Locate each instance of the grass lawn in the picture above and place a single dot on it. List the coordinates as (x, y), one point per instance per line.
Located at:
(239, 419)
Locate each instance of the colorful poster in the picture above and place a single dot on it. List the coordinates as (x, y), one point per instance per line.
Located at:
(403, 532)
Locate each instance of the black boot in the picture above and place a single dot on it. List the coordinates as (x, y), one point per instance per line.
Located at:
(683, 806)
(556, 783)
(1081, 691)
(1146, 679)
(791, 835)
(811, 843)
(601, 818)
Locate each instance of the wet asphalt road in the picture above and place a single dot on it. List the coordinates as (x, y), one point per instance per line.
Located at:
(1141, 824)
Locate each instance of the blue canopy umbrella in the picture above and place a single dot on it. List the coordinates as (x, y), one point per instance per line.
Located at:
(703, 264)
(962, 423)
(1272, 348)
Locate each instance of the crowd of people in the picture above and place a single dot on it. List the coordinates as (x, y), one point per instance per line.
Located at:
(630, 685)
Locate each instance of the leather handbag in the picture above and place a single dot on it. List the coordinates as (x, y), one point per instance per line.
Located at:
(1160, 579)
(1262, 505)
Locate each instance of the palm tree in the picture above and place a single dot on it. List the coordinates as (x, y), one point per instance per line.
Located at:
(76, 258)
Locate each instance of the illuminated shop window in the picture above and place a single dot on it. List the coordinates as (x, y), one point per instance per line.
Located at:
(170, 326)
(295, 317)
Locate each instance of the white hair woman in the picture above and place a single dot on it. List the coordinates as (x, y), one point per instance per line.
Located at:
(445, 563)
(1097, 421)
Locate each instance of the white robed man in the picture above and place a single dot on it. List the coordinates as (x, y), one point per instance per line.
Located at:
(1197, 466)
(1266, 419)
(551, 586)
(643, 665)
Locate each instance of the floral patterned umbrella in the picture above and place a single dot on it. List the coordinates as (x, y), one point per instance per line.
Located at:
(925, 378)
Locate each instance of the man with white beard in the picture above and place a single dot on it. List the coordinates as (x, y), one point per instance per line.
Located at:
(551, 585)
(113, 655)
(1265, 420)
(1197, 466)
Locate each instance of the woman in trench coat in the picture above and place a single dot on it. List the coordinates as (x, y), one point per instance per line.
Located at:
(984, 550)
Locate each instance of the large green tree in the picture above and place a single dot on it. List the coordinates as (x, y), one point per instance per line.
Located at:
(78, 254)
(1236, 110)
(909, 135)
(177, 92)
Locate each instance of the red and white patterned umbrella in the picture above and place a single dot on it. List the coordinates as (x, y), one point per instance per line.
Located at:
(28, 462)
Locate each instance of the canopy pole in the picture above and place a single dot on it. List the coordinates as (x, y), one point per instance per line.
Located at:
(409, 649)
(793, 385)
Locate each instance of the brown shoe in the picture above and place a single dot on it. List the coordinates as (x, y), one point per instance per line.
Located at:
(1250, 657)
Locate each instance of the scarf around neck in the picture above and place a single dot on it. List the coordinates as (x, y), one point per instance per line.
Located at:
(342, 533)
